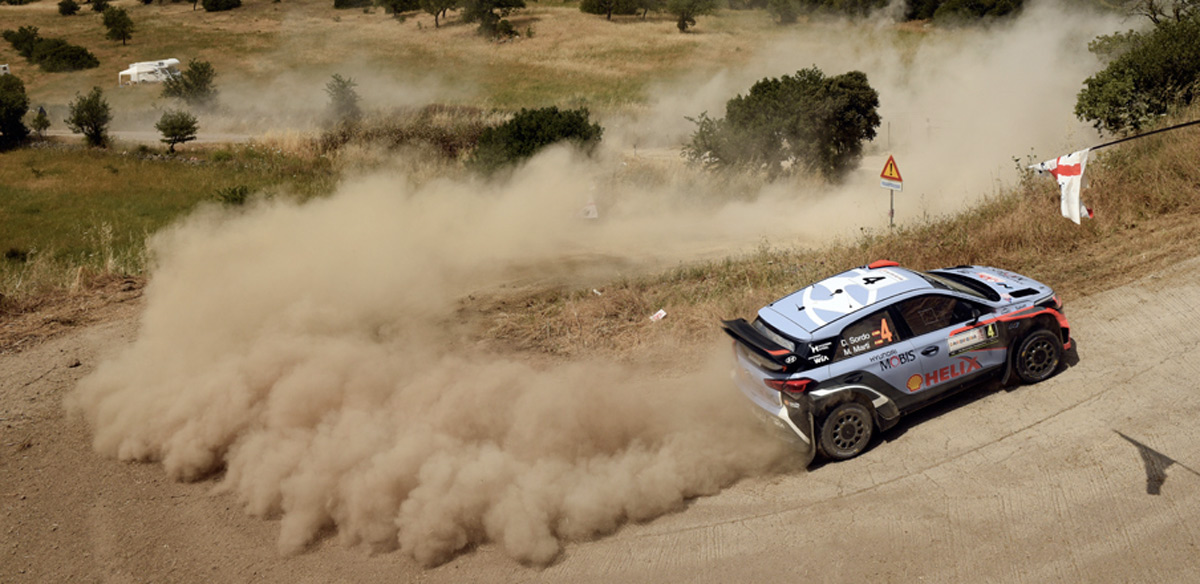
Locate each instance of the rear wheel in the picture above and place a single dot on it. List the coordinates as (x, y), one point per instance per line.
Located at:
(846, 431)
(1038, 356)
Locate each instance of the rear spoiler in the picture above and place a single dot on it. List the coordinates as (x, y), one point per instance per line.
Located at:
(745, 333)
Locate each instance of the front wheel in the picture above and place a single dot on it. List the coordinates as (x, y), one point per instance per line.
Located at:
(1038, 356)
(846, 431)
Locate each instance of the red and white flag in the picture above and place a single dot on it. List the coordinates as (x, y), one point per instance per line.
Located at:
(1068, 171)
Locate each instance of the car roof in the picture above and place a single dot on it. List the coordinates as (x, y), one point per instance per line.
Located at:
(808, 309)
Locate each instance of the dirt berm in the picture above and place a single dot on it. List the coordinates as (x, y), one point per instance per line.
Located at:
(1092, 476)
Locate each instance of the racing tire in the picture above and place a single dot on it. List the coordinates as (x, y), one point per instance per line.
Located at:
(846, 431)
(1038, 356)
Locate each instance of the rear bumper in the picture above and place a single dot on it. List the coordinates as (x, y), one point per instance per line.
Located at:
(791, 420)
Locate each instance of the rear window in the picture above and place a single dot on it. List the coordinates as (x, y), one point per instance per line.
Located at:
(775, 336)
(948, 281)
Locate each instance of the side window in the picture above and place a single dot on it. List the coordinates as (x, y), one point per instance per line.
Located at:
(870, 333)
(925, 314)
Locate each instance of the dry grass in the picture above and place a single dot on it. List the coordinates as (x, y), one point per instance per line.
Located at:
(1147, 200)
(571, 58)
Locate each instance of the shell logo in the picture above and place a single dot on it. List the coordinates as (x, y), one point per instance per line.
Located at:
(914, 383)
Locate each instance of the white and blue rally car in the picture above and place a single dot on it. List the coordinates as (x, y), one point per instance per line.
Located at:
(831, 363)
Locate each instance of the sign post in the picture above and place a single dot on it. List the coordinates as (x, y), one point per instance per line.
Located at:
(890, 179)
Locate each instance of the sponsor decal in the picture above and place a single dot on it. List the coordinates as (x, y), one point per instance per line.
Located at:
(790, 359)
(897, 360)
(914, 382)
(817, 359)
(819, 347)
(963, 366)
(990, 278)
(883, 355)
(972, 339)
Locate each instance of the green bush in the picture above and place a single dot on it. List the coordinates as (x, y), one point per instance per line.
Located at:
(99, 5)
(68, 7)
(339, 4)
(90, 115)
(1148, 75)
(177, 127)
(609, 7)
(13, 105)
(195, 85)
(219, 5)
(806, 121)
(528, 132)
(52, 55)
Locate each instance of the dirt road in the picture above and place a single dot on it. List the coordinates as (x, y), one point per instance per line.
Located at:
(1092, 476)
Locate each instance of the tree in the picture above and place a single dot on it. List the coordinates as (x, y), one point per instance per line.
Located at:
(1151, 73)
(90, 116)
(217, 5)
(99, 5)
(531, 130)
(438, 9)
(1158, 11)
(804, 121)
(177, 127)
(119, 25)
(68, 7)
(686, 11)
(40, 123)
(395, 7)
(489, 13)
(609, 7)
(13, 105)
(195, 85)
(343, 99)
(787, 11)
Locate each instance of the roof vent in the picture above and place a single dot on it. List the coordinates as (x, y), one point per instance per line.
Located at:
(882, 264)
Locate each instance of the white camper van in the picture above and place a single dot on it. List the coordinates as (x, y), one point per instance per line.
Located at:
(148, 72)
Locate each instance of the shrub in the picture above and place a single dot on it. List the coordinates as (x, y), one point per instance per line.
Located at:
(40, 123)
(90, 116)
(68, 7)
(343, 99)
(234, 196)
(13, 105)
(57, 55)
(609, 7)
(195, 85)
(219, 5)
(1156, 71)
(531, 130)
(398, 6)
(804, 121)
(177, 127)
(119, 25)
(339, 4)
(99, 5)
(52, 55)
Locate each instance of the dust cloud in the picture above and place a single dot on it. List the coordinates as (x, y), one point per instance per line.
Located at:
(313, 351)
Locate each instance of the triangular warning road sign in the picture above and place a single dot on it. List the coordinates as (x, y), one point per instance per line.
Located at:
(891, 171)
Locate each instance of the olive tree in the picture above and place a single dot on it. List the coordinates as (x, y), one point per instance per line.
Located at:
(177, 127)
(13, 105)
(90, 116)
(806, 121)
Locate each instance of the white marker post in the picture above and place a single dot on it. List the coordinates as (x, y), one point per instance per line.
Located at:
(890, 179)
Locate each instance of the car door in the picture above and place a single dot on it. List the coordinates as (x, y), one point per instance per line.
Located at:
(948, 344)
(872, 350)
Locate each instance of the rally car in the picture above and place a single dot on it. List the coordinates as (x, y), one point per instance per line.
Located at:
(837, 360)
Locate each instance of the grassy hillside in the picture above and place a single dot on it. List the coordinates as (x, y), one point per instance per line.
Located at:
(271, 49)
